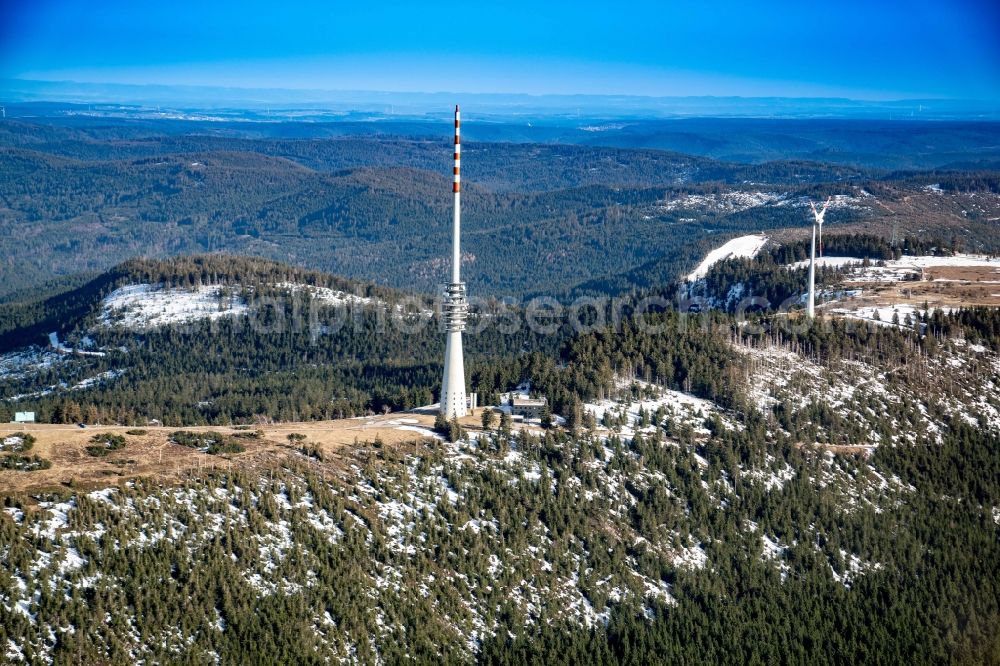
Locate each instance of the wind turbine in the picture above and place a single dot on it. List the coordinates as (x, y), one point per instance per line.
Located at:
(817, 225)
(819, 221)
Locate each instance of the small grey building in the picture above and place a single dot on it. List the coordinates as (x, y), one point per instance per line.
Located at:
(529, 408)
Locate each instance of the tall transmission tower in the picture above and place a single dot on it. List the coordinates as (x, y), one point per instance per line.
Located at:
(456, 306)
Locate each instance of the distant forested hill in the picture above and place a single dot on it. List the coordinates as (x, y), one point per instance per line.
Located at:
(902, 138)
(81, 195)
(372, 209)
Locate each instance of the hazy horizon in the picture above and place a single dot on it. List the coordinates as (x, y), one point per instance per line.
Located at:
(418, 104)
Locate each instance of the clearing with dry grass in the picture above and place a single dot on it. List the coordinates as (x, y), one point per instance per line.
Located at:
(153, 454)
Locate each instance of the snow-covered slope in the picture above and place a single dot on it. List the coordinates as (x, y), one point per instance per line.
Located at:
(140, 306)
(31, 360)
(638, 399)
(877, 404)
(739, 200)
(882, 291)
(144, 306)
(744, 246)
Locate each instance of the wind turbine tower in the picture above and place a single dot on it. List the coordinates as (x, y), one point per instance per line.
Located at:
(817, 226)
(456, 306)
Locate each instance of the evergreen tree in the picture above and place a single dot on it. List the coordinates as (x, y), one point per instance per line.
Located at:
(489, 418)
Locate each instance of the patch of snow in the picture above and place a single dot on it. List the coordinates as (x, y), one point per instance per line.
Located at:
(63, 349)
(103, 495)
(98, 379)
(827, 262)
(885, 313)
(677, 405)
(22, 362)
(694, 557)
(855, 567)
(325, 294)
(426, 432)
(14, 652)
(725, 202)
(774, 480)
(910, 267)
(59, 518)
(71, 560)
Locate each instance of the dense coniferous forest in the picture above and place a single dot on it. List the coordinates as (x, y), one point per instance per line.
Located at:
(891, 560)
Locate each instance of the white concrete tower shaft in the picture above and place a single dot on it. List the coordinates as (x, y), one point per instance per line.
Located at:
(456, 306)
(811, 305)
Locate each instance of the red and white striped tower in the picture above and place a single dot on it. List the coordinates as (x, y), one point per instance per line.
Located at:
(456, 188)
(456, 306)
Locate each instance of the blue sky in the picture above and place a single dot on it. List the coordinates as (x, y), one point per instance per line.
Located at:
(865, 50)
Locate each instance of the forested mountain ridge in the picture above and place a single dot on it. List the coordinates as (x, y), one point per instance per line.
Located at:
(228, 338)
(375, 208)
(498, 166)
(219, 339)
(76, 308)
